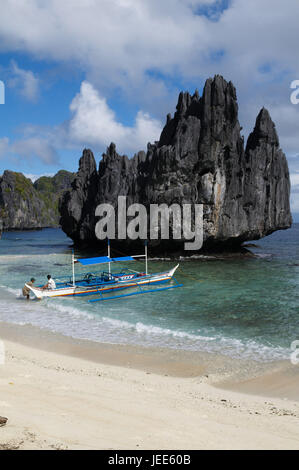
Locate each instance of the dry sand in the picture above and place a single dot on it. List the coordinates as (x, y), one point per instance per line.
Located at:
(89, 396)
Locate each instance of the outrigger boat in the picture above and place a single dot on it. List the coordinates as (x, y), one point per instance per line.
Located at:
(107, 282)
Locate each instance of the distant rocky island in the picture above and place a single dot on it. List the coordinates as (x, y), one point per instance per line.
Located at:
(25, 205)
(201, 157)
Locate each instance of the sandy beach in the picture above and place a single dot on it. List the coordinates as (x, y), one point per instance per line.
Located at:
(58, 393)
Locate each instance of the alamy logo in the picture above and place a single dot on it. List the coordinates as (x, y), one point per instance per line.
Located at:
(295, 353)
(2, 353)
(295, 94)
(2, 92)
(135, 221)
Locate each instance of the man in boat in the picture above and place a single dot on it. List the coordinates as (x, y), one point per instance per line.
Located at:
(26, 291)
(50, 284)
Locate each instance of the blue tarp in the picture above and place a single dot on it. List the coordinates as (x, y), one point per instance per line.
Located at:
(123, 258)
(88, 261)
(103, 259)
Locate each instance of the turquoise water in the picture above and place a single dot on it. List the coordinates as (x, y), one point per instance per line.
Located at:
(242, 308)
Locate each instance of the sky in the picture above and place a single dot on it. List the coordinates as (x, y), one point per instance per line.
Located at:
(84, 73)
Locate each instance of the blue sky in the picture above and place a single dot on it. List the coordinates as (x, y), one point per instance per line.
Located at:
(84, 73)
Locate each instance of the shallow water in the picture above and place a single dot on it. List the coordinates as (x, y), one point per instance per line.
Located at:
(242, 308)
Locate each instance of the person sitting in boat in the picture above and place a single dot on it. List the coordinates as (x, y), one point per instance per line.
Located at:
(50, 284)
(26, 291)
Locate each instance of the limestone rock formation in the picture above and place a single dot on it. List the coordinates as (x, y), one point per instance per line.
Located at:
(200, 158)
(24, 205)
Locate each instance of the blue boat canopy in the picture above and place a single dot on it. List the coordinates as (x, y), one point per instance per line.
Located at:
(103, 259)
(123, 258)
(88, 261)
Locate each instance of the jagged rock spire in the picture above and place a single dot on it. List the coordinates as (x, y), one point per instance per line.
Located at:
(264, 130)
(87, 163)
(200, 158)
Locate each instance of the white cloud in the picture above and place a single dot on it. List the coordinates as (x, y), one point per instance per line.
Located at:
(286, 117)
(294, 176)
(4, 145)
(295, 200)
(197, 3)
(29, 149)
(35, 147)
(294, 179)
(117, 43)
(94, 123)
(33, 177)
(123, 37)
(126, 37)
(24, 81)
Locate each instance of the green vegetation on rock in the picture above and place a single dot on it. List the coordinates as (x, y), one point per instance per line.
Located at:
(24, 205)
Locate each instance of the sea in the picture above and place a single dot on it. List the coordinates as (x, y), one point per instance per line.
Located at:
(246, 307)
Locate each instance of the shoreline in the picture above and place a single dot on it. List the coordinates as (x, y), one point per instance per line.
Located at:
(222, 371)
(162, 361)
(61, 393)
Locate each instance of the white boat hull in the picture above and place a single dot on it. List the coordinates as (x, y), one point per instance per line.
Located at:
(90, 290)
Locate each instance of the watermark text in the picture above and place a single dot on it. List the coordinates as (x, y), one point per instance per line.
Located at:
(295, 94)
(295, 353)
(159, 222)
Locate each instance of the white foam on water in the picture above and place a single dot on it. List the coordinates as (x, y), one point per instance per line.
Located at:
(264, 255)
(223, 345)
(67, 310)
(13, 257)
(15, 292)
(143, 329)
(62, 317)
(156, 330)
